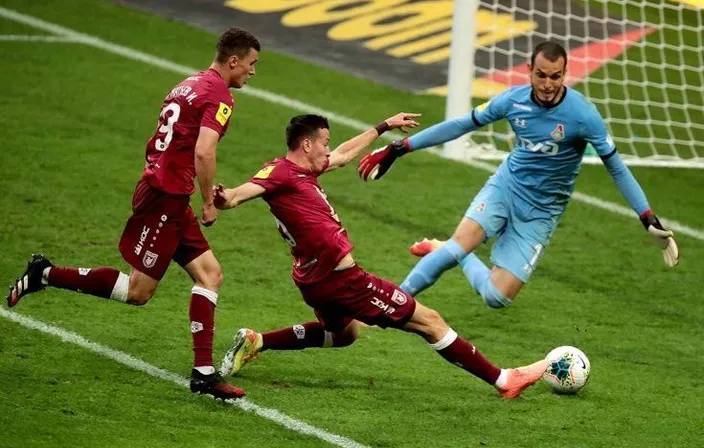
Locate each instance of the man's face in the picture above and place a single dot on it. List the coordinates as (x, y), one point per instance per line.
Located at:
(547, 78)
(318, 149)
(242, 68)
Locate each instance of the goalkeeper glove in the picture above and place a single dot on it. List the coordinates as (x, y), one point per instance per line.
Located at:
(662, 237)
(376, 163)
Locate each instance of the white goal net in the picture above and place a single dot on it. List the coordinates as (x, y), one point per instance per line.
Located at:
(640, 62)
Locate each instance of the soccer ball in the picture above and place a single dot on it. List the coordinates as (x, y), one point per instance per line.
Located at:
(568, 371)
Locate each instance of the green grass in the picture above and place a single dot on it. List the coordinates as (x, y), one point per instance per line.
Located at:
(76, 120)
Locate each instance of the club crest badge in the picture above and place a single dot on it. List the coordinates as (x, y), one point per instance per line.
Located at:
(149, 259)
(558, 133)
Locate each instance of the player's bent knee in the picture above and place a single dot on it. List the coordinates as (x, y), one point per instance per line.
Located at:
(434, 326)
(139, 298)
(346, 337)
(493, 297)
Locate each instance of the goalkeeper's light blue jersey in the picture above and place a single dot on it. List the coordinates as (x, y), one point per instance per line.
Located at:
(550, 143)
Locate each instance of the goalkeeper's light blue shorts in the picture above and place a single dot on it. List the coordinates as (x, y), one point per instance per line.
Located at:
(522, 232)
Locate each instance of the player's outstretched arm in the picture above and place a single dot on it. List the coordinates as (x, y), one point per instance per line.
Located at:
(206, 145)
(226, 198)
(375, 164)
(633, 193)
(349, 150)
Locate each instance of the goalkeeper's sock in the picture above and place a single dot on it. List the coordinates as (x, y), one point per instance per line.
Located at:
(202, 315)
(104, 282)
(460, 352)
(430, 268)
(478, 275)
(298, 337)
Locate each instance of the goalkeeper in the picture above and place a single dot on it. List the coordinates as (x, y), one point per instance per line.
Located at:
(521, 204)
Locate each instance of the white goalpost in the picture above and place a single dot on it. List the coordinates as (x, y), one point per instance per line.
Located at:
(641, 62)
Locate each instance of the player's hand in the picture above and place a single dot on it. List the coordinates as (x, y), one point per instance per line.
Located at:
(376, 163)
(209, 215)
(663, 238)
(403, 121)
(220, 199)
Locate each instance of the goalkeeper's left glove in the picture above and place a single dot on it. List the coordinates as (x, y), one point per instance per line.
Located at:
(662, 237)
(376, 163)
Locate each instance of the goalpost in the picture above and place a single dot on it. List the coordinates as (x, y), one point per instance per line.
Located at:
(641, 62)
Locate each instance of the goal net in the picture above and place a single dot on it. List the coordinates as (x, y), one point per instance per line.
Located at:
(641, 62)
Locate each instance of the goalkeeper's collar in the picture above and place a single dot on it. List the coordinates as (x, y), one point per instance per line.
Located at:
(548, 106)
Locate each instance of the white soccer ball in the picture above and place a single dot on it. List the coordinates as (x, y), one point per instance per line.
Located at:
(568, 371)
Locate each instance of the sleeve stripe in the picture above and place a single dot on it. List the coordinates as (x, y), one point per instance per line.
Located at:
(609, 155)
(475, 121)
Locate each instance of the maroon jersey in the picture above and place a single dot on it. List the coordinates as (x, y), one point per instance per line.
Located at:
(305, 219)
(200, 100)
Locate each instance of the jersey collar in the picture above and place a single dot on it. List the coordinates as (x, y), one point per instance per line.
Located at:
(552, 106)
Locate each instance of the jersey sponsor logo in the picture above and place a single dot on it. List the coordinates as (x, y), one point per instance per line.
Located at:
(548, 148)
(265, 172)
(224, 112)
(149, 259)
(483, 106)
(522, 107)
(399, 298)
(559, 132)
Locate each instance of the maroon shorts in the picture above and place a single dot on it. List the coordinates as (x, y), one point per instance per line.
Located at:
(162, 227)
(357, 294)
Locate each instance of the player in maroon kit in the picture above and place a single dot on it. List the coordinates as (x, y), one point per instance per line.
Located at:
(341, 293)
(194, 117)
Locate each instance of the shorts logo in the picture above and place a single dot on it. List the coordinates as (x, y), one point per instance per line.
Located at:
(196, 327)
(149, 259)
(399, 298)
(83, 271)
(142, 238)
(300, 331)
(383, 306)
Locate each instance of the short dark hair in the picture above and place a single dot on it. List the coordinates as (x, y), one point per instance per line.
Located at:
(552, 51)
(237, 42)
(304, 126)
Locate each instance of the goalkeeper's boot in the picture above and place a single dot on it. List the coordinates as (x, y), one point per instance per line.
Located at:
(30, 281)
(214, 385)
(245, 348)
(521, 378)
(423, 248)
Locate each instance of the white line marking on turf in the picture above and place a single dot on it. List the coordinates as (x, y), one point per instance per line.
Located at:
(34, 38)
(298, 106)
(138, 364)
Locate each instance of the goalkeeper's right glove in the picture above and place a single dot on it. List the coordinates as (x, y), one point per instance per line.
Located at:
(376, 163)
(662, 237)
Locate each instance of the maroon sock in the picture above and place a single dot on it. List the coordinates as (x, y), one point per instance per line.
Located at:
(298, 337)
(95, 281)
(465, 355)
(202, 314)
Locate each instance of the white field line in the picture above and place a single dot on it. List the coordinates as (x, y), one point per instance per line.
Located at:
(298, 106)
(34, 38)
(138, 364)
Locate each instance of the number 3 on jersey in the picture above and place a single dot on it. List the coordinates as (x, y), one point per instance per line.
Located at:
(167, 125)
